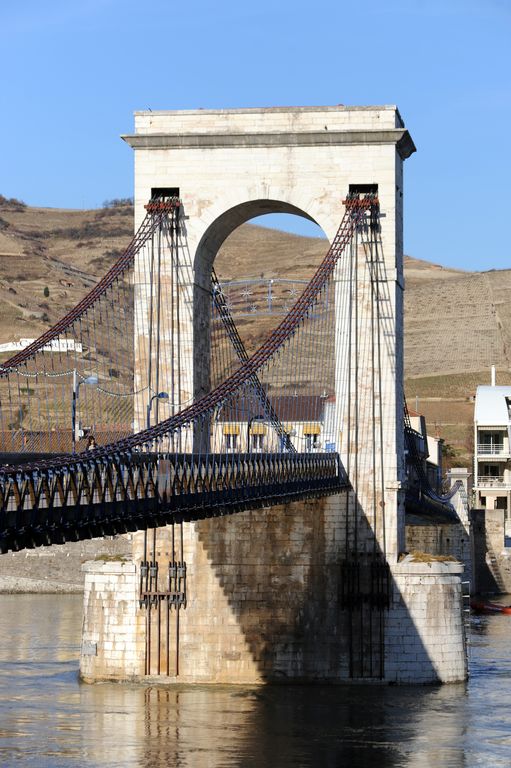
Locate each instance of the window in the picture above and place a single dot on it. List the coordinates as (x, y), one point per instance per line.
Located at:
(164, 191)
(231, 442)
(257, 442)
(491, 442)
(311, 442)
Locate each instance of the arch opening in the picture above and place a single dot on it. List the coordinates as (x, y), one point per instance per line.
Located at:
(275, 264)
(290, 223)
(220, 229)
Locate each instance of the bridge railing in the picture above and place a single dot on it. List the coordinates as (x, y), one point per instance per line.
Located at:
(138, 490)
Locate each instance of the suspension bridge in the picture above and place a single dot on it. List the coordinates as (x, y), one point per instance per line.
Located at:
(145, 407)
(182, 467)
(206, 458)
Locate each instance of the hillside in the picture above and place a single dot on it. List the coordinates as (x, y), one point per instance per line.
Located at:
(64, 251)
(457, 324)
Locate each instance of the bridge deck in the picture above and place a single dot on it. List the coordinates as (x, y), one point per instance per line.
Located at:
(97, 496)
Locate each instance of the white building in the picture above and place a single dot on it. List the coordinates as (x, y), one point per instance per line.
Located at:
(55, 345)
(242, 426)
(492, 455)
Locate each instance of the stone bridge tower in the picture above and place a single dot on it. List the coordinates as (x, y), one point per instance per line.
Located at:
(231, 165)
(253, 614)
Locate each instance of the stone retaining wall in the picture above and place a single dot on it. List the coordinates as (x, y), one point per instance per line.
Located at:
(492, 558)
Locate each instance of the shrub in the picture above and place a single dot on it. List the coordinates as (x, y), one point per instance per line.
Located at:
(113, 253)
(12, 203)
(118, 202)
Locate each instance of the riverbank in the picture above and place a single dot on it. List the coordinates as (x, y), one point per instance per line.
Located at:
(57, 569)
(19, 585)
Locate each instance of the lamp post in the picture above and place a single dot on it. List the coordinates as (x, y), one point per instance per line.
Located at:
(90, 381)
(158, 396)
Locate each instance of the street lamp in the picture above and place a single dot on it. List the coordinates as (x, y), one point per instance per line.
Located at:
(158, 396)
(90, 381)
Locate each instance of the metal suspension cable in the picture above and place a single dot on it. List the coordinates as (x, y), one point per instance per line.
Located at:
(35, 417)
(373, 228)
(239, 347)
(355, 211)
(157, 210)
(356, 208)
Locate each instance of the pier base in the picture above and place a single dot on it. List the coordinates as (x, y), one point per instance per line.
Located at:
(425, 638)
(268, 597)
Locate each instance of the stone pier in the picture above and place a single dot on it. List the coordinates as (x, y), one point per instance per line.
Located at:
(265, 602)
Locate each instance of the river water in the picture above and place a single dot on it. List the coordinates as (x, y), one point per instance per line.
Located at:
(49, 718)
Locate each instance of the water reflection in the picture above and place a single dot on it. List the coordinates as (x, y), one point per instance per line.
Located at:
(47, 718)
(292, 726)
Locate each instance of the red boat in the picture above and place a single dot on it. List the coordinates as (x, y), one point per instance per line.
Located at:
(489, 607)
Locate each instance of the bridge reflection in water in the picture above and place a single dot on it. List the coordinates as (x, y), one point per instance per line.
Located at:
(48, 718)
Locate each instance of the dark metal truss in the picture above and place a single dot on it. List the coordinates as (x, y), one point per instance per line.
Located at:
(135, 491)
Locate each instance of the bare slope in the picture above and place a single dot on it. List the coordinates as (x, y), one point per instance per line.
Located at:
(455, 321)
(457, 324)
(63, 251)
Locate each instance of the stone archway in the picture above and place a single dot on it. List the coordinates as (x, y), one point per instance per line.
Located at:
(228, 165)
(205, 254)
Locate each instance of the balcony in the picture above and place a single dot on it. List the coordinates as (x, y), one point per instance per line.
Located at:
(492, 481)
(491, 449)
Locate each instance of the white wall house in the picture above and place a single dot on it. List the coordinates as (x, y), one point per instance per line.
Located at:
(492, 456)
(242, 426)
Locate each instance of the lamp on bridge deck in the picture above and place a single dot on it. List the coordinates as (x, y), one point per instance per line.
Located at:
(90, 381)
(158, 396)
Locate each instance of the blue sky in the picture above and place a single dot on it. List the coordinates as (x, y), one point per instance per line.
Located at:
(72, 73)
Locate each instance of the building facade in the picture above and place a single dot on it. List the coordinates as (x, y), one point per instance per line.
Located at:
(492, 449)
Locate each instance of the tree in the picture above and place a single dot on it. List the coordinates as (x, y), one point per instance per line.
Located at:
(46, 291)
